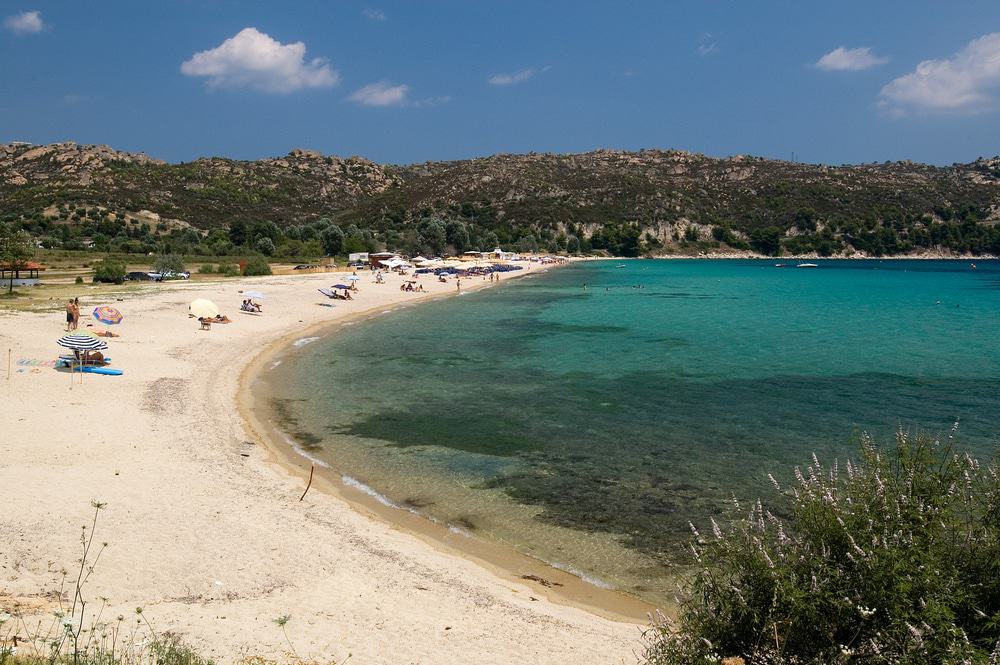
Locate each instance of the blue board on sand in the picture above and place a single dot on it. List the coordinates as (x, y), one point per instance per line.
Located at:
(91, 369)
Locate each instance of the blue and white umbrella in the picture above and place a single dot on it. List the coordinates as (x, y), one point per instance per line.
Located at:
(79, 342)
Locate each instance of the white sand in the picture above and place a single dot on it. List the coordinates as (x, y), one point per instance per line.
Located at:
(215, 545)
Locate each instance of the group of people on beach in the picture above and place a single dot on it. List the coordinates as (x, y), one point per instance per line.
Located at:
(408, 286)
(250, 306)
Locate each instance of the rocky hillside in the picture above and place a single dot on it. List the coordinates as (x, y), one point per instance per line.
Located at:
(205, 193)
(668, 197)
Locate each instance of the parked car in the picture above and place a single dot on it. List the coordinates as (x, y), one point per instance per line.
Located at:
(138, 277)
(360, 265)
(305, 266)
(160, 276)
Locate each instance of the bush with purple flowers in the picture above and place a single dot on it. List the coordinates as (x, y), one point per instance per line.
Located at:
(894, 558)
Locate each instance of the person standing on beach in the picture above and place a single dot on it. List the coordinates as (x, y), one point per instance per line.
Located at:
(76, 313)
(69, 314)
(458, 283)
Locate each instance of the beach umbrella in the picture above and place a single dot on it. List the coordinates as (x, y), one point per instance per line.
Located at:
(82, 342)
(353, 278)
(108, 315)
(204, 309)
(254, 295)
(340, 286)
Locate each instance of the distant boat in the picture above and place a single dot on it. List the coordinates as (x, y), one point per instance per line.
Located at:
(620, 265)
(780, 265)
(807, 265)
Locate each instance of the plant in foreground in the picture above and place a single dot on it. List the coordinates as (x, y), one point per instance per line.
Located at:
(72, 636)
(894, 558)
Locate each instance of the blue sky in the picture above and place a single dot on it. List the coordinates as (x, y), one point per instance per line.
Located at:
(409, 81)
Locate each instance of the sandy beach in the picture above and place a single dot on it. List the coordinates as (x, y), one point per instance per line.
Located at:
(203, 519)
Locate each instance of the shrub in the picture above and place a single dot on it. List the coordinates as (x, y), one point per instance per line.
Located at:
(78, 280)
(256, 266)
(893, 559)
(206, 269)
(228, 270)
(109, 271)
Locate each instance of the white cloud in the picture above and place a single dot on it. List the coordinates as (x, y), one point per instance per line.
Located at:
(252, 59)
(374, 14)
(25, 23)
(843, 59)
(517, 77)
(708, 46)
(381, 93)
(967, 82)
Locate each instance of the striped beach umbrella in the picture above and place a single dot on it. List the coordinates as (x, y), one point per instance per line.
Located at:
(81, 342)
(108, 315)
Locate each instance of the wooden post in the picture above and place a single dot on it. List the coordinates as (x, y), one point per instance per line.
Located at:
(309, 484)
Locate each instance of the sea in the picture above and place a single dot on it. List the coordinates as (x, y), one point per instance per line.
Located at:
(585, 416)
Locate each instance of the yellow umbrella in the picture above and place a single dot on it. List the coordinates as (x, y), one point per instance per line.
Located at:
(204, 309)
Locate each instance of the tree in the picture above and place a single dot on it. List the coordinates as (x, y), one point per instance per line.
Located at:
(238, 233)
(256, 266)
(168, 263)
(457, 235)
(333, 240)
(109, 271)
(766, 241)
(16, 249)
(572, 245)
(527, 244)
(265, 246)
(432, 234)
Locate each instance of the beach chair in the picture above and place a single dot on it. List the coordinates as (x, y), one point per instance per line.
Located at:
(206, 324)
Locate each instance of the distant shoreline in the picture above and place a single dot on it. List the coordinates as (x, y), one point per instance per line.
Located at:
(808, 257)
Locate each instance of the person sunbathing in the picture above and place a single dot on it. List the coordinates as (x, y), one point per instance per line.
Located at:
(92, 358)
(220, 318)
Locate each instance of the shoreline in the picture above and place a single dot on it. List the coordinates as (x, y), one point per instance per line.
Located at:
(206, 529)
(553, 583)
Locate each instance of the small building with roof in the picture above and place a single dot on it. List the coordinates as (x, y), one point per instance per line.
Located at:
(24, 274)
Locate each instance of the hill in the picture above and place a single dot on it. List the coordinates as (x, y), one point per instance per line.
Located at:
(656, 201)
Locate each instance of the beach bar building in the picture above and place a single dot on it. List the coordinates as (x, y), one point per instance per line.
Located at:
(378, 259)
(26, 274)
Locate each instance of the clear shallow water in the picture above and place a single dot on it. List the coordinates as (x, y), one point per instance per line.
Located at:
(587, 426)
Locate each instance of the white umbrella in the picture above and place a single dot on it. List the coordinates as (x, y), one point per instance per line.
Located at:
(255, 295)
(353, 278)
(204, 309)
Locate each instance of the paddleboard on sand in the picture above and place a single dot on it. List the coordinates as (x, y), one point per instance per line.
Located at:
(90, 369)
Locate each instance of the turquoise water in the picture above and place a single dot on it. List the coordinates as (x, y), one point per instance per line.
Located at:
(586, 426)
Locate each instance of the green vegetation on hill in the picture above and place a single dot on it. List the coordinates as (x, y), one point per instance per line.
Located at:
(623, 203)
